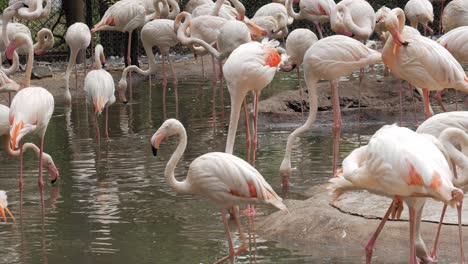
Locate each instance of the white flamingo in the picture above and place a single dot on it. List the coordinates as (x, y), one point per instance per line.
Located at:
(99, 88)
(77, 37)
(224, 179)
(33, 9)
(318, 12)
(455, 15)
(420, 12)
(456, 42)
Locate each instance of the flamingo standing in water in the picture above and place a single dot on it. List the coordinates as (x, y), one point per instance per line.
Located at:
(455, 15)
(420, 61)
(316, 11)
(224, 179)
(249, 68)
(328, 59)
(31, 109)
(297, 43)
(160, 33)
(404, 165)
(420, 12)
(78, 37)
(4, 206)
(99, 88)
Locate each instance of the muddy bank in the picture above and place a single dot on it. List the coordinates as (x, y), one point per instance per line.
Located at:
(313, 227)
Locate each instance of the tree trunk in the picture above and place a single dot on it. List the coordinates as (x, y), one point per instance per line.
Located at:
(74, 12)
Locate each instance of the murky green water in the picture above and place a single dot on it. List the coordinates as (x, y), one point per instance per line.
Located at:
(111, 204)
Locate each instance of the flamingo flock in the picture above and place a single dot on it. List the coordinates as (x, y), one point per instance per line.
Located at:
(408, 166)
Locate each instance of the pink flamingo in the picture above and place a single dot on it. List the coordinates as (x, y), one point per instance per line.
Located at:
(4, 206)
(402, 164)
(420, 12)
(420, 61)
(318, 12)
(328, 59)
(455, 15)
(224, 179)
(99, 88)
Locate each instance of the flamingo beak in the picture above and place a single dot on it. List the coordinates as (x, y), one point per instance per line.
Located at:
(10, 49)
(54, 173)
(287, 68)
(122, 97)
(156, 141)
(256, 30)
(10, 214)
(398, 38)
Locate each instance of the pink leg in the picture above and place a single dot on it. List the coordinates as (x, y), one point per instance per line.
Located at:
(247, 122)
(174, 76)
(76, 78)
(129, 61)
(229, 238)
(202, 67)
(84, 62)
(319, 30)
(96, 124)
(21, 167)
(401, 102)
(412, 247)
(456, 100)
(436, 241)
(300, 91)
(462, 253)
(214, 69)
(371, 243)
(427, 111)
(441, 12)
(255, 118)
(336, 124)
(107, 122)
(92, 51)
(164, 81)
(438, 97)
(9, 99)
(414, 105)
(40, 181)
(221, 90)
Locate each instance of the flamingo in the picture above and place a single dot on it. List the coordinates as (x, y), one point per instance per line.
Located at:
(297, 43)
(420, 12)
(275, 26)
(402, 164)
(164, 40)
(450, 128)
(47, 160)
(99, 88)
(8, 14)
(224, 179)
(78, 37)
(279, 13)
(380, 28)
(4, 206)
(220, 9)
(250, 67)
(192, 4)
(455, 15)
(123, 16)
(353, 18)
(33, 9)
(44, 38)
(456, 42)
(316, 11)
(30, 111)
(328, 59)
(420, 61)
(159, 8)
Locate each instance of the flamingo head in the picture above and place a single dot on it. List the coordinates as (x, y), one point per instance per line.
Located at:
(18, 40)
(169, 128)
(50, 165)
(45, 41)
(13, 9)
(4, 206)
(122, 89)
(392, 24)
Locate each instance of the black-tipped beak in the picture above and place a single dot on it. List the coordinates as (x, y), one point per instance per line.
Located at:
(125, 102)
(25, 5)
(53, 181)
(405, 43)
(155, 151)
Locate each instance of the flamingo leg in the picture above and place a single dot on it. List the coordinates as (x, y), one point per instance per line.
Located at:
(92, 51)
(164, 81)
(221, 91)
(440, 19)
(229, 239)
(414, 105)
(243, 247)
(98, 133)
(214, 70)
(107, 122)
(76, 77)
(255, 118)
(412, 219)
(462, 253)
(202, 67)
(401, 102)
(21, 167)
(84, 62)
(319, 30)
(427, 112)
(336, 123)
(175, 86)
(247, 122)
(9, 99)
(40, 181)
(129, 61)
(436, 241)
(174, 76)
(438, 97)
(371, 243)
(456, 100)
(301, 95)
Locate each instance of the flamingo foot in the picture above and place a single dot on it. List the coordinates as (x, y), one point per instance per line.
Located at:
(250, 211)
(438, 97)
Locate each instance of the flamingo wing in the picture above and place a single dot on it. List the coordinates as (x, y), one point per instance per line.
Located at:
(99, 87)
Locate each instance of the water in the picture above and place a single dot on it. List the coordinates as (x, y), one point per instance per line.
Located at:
(111, 203)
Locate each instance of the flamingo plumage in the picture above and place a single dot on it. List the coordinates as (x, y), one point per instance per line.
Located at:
(455, 15)
(99, 88)
(456, 42)
(4, 206)
(317, 12)
(224, 179)
(33, 9)
(77, 37)
(420, 12)
(402, 164)
(328, 59)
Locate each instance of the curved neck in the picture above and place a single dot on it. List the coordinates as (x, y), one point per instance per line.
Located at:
(174, 9)
(38, 12)
(348, 21)
(14, 67)
(177, 186)
(449, 138)
(291, 12)
(16, 153)
(217, 7)
(97, 58)
(401, 19)
(240, 8)
(190, 41)
(27, 77)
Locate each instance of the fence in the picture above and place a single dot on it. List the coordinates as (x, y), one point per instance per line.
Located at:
(114, 42)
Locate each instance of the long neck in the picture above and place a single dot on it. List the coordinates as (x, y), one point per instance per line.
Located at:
(24, 12)
(449, 138)
(177, 186)
(14, 67)
(71, 63)
(97, 59)
(16, 153)
(291, 12)
(27, 77)
(217, 7)
(361, 32)
(174, 9)
(240, 8)
(401, 19)
(190, 41)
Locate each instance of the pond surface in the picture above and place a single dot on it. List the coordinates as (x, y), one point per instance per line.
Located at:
(111, 203)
